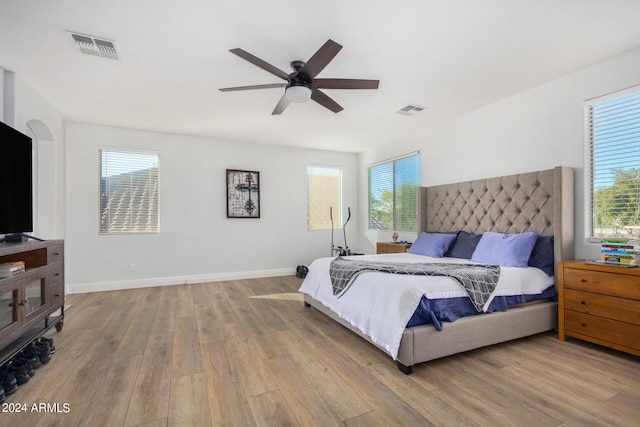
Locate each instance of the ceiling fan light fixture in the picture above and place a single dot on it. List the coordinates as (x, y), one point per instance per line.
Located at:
(298, 93)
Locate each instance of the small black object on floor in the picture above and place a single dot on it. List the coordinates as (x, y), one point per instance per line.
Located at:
(301, 271)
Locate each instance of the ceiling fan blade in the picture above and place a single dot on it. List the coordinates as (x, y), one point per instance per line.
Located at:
(324, 100)
(345, 84)
(282, 104)
(320, 59)
(260, 63)
(265, 86)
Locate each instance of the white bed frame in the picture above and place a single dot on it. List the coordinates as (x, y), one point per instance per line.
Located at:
(534, 201)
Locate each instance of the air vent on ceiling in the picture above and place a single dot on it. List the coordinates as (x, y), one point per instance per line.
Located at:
(410, 110)
(95, 46)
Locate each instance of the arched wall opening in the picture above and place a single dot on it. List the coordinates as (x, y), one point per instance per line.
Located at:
(45, 179)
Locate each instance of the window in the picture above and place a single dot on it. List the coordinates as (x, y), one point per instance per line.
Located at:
(129, 192)
(612, 137)
(393, 193)
(324, 185)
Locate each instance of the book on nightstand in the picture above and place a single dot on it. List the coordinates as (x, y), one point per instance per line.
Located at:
(620, 252)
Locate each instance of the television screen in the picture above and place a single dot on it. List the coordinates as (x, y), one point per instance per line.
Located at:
(16, 181)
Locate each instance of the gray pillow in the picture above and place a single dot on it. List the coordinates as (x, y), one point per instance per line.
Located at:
(464, 245)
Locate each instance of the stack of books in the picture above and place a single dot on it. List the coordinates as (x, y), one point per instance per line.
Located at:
(9, 269)
(620, 252)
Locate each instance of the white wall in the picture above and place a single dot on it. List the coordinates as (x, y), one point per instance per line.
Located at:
(197, 241)
(30, 113)
(39, 119)
(534, 130)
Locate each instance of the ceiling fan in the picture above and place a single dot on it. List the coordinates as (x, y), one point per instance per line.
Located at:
(302, 84)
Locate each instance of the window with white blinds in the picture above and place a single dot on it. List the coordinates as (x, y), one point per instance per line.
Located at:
(129, 188)
(612, 138)
(393, 193)
(324, 193)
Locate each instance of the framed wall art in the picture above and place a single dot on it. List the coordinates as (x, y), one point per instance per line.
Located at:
(243, 194)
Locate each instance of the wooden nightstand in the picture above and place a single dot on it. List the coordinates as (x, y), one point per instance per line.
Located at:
(391, 247)
(600, 304)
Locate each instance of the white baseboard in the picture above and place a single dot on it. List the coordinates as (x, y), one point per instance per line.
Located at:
(80, 288)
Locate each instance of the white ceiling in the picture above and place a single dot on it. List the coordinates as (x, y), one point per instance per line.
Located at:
(449, 56)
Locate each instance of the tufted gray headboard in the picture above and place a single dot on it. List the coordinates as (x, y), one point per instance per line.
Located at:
(534, 201)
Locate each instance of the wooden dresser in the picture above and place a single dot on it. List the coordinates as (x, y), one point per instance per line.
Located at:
(600, 304)
(32, 301)
(391, 247)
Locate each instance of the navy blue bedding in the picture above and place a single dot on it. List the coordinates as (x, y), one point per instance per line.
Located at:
(435, 311)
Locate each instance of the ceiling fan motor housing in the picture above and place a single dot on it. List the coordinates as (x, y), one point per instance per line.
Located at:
(296, 79)
(297, 65)
(299, 86)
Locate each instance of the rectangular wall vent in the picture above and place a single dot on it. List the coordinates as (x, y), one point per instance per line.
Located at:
(410, 110)
(95, 46)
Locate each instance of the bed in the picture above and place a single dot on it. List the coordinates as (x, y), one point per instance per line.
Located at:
(540, 202)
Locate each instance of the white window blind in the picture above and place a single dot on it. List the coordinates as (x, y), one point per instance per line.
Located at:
(393, 193)
(129, 188)
(612, 137)
(324, 192)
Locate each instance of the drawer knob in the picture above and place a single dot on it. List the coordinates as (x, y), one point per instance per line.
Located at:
(583, 280)
(583, 302)
(583, 324)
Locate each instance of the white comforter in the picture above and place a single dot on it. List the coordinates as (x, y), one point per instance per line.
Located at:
(380, 304)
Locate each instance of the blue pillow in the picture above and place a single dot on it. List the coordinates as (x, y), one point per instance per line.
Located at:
(542, 255)
(464, 245)
(507, 250)
(432, 244)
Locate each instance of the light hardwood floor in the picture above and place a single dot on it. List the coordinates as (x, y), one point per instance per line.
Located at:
(247, 352)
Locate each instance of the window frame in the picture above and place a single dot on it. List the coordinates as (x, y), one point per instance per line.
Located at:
(589, 161)
(337, 212)
(395, 218)
(113, 150)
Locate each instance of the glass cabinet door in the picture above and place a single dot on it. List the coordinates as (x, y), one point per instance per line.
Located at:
(8, 306)
(34, 299)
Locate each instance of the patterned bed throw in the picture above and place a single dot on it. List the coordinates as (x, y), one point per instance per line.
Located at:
(479, 280)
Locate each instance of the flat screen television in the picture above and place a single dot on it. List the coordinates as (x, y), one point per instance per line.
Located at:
(16, 182)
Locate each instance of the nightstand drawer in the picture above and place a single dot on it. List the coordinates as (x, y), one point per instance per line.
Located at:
(621, 285)
(621, 309)
(391, 247)
(586, 326)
